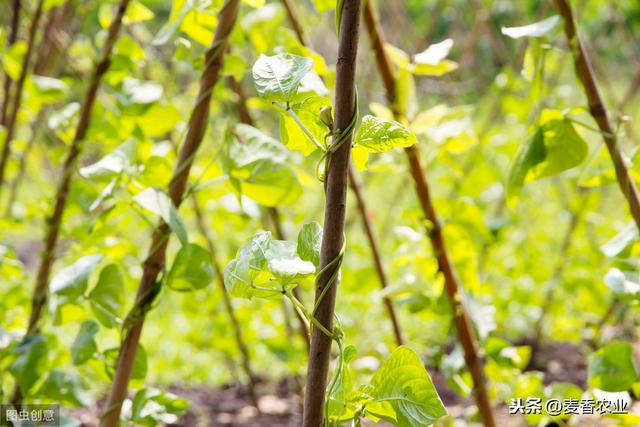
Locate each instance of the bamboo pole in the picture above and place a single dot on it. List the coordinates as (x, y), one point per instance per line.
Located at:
(155, 261)
(39, 298)
(599, 111)
(10, 123)
(11, 39)
(452, 287)
(363, 211)
(334, 214)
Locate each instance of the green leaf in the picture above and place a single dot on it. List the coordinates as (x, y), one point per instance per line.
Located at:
(309, 242)
(403, 392)
(30, 363)
(284, 263)
(72, 281)
(151, 407)
(308, 111)
(12, 59)
(47, 89)
(113, 163)
(625, 284)
(535, 30)
(620, 241)
(191, 269)
(107, 297)
(380, 135)
(612, 368)
(554, 148)
(432, 62)
(65, 388)
(265, 268)
(158, 202)
(324, 5)
(179, 10)
(278, 77)
(84, 346)
(141, 92)
(258, 168)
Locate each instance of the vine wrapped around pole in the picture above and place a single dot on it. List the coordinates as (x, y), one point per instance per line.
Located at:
(348, 13)
(445, 267)
(11, 39)
(149, 286)
(39, 298)
(598, 110)
(12, 118)
(356, 187)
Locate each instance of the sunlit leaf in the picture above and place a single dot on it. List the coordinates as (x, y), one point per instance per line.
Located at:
(158, 202)
(72, 281)
(535, 30)
(278, 77)
(403, 392)
(380, 135)
(309, 242)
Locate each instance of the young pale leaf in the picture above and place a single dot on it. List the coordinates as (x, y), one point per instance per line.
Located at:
(72, 281)
(113, 163)
(265, 268)
(191, 269)
(278, 77)
(380, 135)
(620, 241)
(284, 263)
(151, 407)
(434, 53)
(158, 202)
(403, 393)
(309, 242)
(84, 346)
(554, 148)
(107, 298)
(12, 59)
(432, 62)
(242, 271)
(625, 284)
(612, 368)
(535, 30)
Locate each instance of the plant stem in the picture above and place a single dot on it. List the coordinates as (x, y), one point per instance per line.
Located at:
(155, 261)
(548, 294)
(295, 23)
(228, 306)
(22, 163)
(356, 187)
(452, 287)
(47, 256)
(598, 110)
(334, 215)
(273, 212)
(11, 39)
(10, 123)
